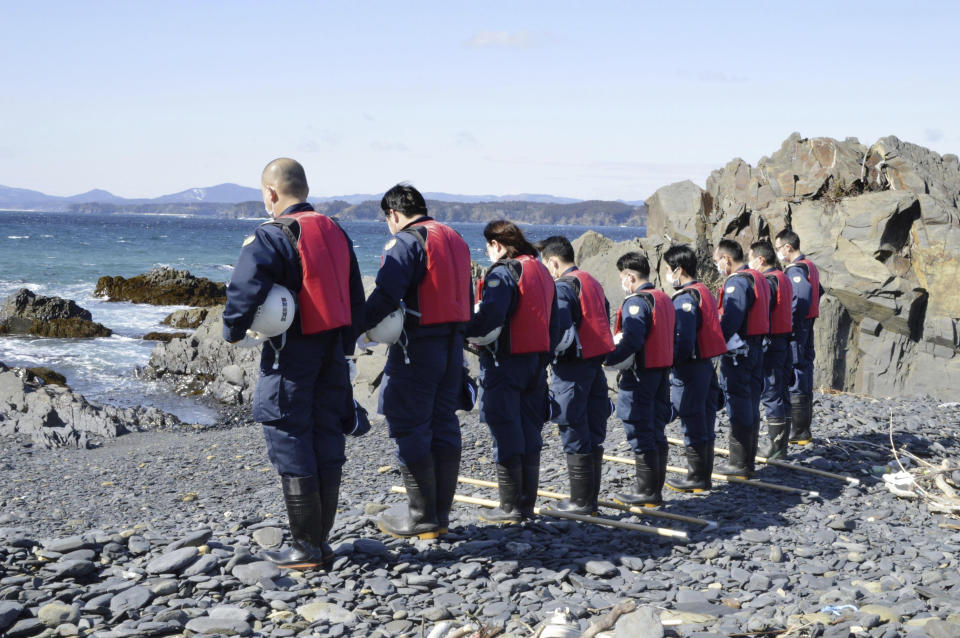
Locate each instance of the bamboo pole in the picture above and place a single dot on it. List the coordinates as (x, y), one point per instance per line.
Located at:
(729, 479)
(784, 464)
(594, 520)
(632, 509)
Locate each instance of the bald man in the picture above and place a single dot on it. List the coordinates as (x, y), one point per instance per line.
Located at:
(303, 397)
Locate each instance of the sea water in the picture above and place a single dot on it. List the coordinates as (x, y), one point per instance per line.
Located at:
(63, 254)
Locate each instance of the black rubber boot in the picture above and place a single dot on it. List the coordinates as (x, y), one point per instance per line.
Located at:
(778, 429)
(446, 465)
(329, 500)
(580, 468)
(304, 513)
(752, 451)
(529, 484)
(663, 454)
(421, 519)
(648, 479)
(509, 475)
(801, 413)
(738, 464)
(597, 478)
(700, 466)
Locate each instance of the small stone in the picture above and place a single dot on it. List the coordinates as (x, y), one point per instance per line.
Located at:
(937, 628)
(9, 612)
(755, 536)
(333, 614)
(381, 587)
(370, 546)
(211, 625)
(203, 565)
(268, 537)
(71, 568)
(56, 613)
(842, 524)
(136, 597)
(603, 568)
(253, 573)
(709, 553)
(397, 627)
(641, 623)
(172, 562)
(230, 612)
(436, 614)
(776, 554)
(886, 613)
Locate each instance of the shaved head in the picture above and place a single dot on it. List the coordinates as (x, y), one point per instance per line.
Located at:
(287, 177)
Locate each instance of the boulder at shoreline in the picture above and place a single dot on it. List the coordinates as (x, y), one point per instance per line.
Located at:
(26, 313)
(163, 287)
(188, 318)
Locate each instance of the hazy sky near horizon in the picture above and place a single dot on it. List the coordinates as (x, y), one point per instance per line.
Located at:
(606, 100)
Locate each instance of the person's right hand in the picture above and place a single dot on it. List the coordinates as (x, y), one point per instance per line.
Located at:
(364, 342)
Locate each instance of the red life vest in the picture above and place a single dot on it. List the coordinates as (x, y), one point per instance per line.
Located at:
(658, 347)
(781, 317)
(530, 323)
(594, 330)
(814, 276)
(324, 298)
(710, 341)
(758, 317)
(443, 295)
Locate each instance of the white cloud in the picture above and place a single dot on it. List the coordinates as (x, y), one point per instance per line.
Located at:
(501, 40)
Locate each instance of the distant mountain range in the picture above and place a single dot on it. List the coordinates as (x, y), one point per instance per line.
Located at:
(24, 199)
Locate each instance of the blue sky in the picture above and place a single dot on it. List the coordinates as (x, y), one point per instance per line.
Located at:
(602, 100)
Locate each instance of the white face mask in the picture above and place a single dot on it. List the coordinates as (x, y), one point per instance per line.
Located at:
(626, 285)
(492, 253)
(719, 268)
(675, 279)
(782, 257)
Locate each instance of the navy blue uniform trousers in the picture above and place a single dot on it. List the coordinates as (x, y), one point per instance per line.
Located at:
(777, 377)
(419, 399)
(643, 404)
(742, 381)
(513, 403)
(580, 388)
(301, 404)
(694, 400)
(803, 355)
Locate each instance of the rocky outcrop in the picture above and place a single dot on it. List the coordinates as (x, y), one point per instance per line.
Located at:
(26, 313)
(53, 416)
(163, 287)
(883, 224)
(189, 318)
(166, 337)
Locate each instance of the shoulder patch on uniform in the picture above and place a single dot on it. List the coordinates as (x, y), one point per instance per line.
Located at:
(797, 279)
(731, 289)
(493, 283)
(390, 244)
(634, 310)
(249, 239)
(687, 307)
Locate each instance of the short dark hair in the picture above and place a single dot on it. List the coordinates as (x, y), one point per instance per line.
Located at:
(634, 261)
(789, 237)
(405, 199)
(510, 237)
(764, 250)
(682, 256)
(730, 248)
(557, 246)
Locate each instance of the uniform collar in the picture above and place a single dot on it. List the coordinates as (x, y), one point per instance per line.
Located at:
(689, 283)
(802, 256)
(568, 270)
(645, 286)
(296, 208)
(770, 269)
(422, 218)
(743, 267)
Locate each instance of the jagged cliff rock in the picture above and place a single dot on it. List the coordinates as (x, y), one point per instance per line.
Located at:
(26, 313)
(882, 222)
(54, 416)
(163, 287)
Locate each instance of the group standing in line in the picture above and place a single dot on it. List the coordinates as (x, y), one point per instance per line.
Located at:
(532, 312)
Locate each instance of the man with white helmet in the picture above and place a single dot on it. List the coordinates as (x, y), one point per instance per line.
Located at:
(303, 396)
(425, 269)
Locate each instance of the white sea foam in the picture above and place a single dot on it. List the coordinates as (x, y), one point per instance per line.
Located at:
(18, 236)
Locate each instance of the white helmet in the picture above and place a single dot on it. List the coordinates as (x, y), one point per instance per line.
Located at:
(389, 329)
(274, 317)
(569, 336)
(487, 339)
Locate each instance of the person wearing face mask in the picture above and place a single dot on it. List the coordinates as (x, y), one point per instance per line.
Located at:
(518, 322)
(425, 269)
(578, 382)
(644, 335)
(693, 382)
(776, 355)
(807, 291)
(303, 373)
(744, 306)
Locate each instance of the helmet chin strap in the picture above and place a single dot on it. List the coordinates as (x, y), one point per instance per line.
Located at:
(276, 350)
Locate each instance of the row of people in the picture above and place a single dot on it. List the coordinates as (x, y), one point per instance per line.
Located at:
(532, 309)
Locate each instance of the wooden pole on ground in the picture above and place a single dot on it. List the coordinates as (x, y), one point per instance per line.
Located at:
(632, 509)
(665, 532)
(729, 479)
(784, 464)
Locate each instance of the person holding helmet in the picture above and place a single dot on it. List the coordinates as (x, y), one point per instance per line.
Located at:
(578, 382)
(425, 271)
(303, 394)
(517, 325)
(643, 354)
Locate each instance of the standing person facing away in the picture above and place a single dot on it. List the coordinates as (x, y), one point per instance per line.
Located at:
(304, 385)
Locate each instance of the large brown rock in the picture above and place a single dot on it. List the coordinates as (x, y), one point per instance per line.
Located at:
(163, 287)
(26, 313)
